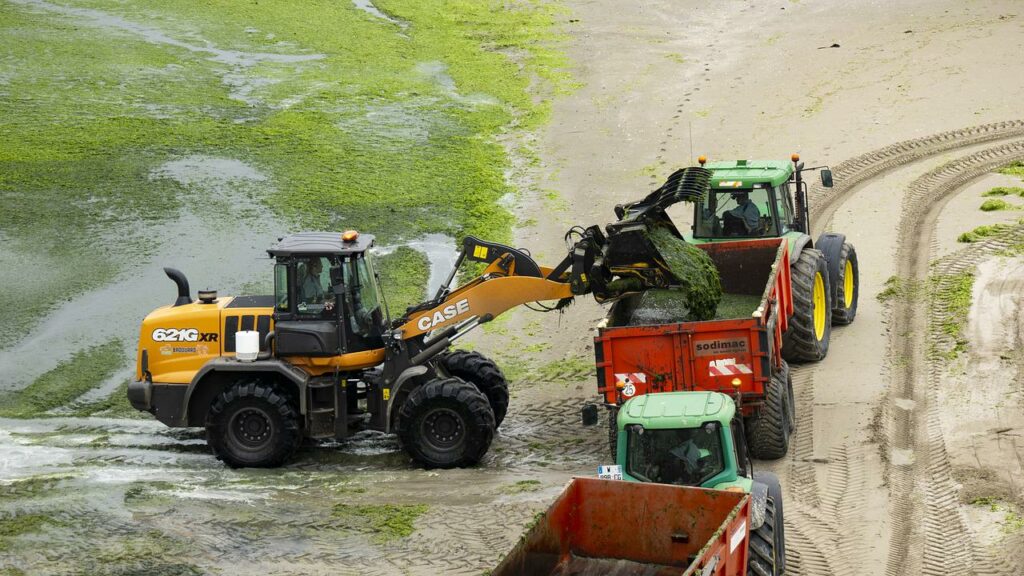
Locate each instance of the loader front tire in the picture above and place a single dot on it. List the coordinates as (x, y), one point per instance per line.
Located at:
(446, 423)
(768, 431)
(810, 327)
(253, 425)
(844, 309)
(483, 373)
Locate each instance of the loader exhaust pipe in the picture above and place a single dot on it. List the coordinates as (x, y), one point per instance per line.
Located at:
(182, 282)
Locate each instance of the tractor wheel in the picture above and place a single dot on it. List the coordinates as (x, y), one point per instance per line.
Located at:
(844, 309)
(768, 431)
(811, 324)
(768, 542)
(613, 432)
(446, 423)
(483, 373)
(253, 425)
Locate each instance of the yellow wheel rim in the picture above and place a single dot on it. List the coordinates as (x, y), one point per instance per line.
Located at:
(848, 285)
(820, 302)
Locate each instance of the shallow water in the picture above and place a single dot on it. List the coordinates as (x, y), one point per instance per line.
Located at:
(441, 251)
(368, 7)
(195, 242)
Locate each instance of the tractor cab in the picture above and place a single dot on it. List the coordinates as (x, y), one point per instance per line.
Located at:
(683, 438)
(327, 300)
(753, 199)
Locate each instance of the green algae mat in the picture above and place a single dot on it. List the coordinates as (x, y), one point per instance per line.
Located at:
(393, 117)
(700, 288)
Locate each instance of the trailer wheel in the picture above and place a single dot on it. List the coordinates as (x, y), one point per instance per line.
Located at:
(613, 432)
(768, 542)
(483, 373)
(446, 423)
(253, 425)
(844, 309)
(810, 327)
(768, 431)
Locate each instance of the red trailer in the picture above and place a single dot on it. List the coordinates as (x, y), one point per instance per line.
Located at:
(627, 528)
(739, 353)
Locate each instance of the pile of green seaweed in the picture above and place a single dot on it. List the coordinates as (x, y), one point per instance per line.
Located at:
(698, 289)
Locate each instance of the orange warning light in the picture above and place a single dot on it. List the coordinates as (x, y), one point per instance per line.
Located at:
(350, 236)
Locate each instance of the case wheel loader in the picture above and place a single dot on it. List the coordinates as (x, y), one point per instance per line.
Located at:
(330, 361)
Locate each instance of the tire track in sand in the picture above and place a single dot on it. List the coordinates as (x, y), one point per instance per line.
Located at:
(923, 493)
(842, 506)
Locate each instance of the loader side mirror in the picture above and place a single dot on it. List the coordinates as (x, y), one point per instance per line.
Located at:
(589, 414)
(826, 178)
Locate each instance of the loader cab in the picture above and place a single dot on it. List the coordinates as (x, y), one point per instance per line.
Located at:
(683, 438)
(327, 300)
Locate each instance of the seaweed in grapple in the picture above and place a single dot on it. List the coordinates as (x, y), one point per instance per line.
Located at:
(699, 287)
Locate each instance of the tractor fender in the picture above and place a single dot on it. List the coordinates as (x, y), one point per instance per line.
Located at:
(227, 369)
(401, 389)
(831, 244)
(758, 501)
(804, 241)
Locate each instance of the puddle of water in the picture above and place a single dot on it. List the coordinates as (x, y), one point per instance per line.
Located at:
(241, 85)
(368, 7)
(437, 72)
(441, 252)
(219, 186)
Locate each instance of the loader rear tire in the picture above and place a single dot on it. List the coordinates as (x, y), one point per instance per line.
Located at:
(844, 309)
(483, 373)
(810, 327)
(253, 425)
(446, 423)
(768, 431)
(768, 541)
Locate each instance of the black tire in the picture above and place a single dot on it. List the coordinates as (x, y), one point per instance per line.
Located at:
(768, 542)
(844, 309)
(483, 373)
(253, 425)
(613, 432)
(446, 423)
(768, 431)
(803, 340)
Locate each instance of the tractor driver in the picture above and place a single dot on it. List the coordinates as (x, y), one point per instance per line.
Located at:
(311, 290)
(744, 219)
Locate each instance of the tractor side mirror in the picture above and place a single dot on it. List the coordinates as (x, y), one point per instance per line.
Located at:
(589, 414)
(826, 178)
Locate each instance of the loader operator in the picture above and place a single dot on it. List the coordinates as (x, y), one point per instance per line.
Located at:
(310, 289)
(744, 219)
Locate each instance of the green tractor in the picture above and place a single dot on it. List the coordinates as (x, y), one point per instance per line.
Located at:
(697, 439)
(768, 199)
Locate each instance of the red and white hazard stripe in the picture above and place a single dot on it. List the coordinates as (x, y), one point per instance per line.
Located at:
(728, 369)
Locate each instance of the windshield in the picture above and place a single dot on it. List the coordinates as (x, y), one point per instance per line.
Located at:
(361, 290)
(740, 212)
(685, 456)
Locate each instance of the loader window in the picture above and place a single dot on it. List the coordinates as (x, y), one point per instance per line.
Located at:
(281, 288)
(312, 277)
(684, 456)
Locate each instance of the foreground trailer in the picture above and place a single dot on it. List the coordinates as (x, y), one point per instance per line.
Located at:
(627, 528)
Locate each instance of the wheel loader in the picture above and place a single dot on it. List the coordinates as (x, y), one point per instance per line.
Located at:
(321, 357)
